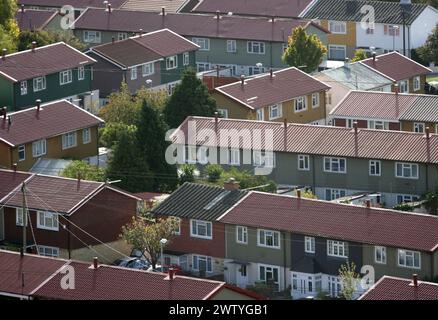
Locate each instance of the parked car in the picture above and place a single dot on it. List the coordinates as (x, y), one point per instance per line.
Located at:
(133, 263)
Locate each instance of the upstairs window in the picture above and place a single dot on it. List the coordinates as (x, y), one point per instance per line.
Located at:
(303, 162)
(275, 111)
(69, 140)
(337, 249)
(242, 234)
(171, 62)
(338, 27)
(39, 84)
(65, 77)
(92, 36)
(337, 165)
(47, 220)
(315, 100)
(406, 170)
(147, 69)
(417, 83)
(300, 104)
(268, 238)
(201, 229)
(256, 47)
(81, 73)
(203, 43)
(309, 244)
(186, 58)
(231, 46)
(23, 87)
(409, 259)
(86, 136)
(39, 148)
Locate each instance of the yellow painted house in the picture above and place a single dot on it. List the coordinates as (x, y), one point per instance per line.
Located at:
(288, 94)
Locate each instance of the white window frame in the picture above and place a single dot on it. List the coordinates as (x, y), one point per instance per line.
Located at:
(335, 245)
(39, 84)
(204, 224)
(403, 253)
(39, 144)
(172, 62)
(19, 217)
(208, 262)
(337, 47)
(375, 164)
(242, 234)
(419, 127)
(261, 241)
(223, 113)
(300, 104)
(86, 136)
(406, 198)
(251, 45)
(23, 149)
(133, 72)
(378, 125)
(53, 216)
(279, 110)
(407, 166)
(417, 83)
(122, 36)
(332, 161)
(81, 73)
(202, 66)
(334, 193)
(231, 46)
(260, 114)
(234, 157)
(269, 268)
(65, 77)
(337, 27)
(203, 43)
(147, 69)
(69, 140)
(23, 87)
(309, 244)
(91, 36)
(315, 100)
(303, 162)
(403, 86)
(186, 58)
(383, 255)
(43, 251)
(263, 159)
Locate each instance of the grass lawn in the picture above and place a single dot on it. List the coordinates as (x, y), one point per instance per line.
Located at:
(432, 78)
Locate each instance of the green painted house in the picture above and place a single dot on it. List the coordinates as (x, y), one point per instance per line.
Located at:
(246, 45)
(48, 73)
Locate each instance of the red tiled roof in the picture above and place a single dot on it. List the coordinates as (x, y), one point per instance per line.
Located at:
(114, 283)
(272, 8)
(196, 25)
(262, 91)
(10, 180)
(54, 118)
(374, 105)
(392, 288)
(320, 140)
(78, 4)
(32, 269)
(33, 19)
(45, 60)
(396, 66)
(338, 221)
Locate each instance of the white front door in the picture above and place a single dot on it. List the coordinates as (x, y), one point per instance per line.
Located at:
(2, 225)
(241, 276)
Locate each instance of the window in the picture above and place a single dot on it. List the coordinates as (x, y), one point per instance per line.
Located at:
(337, 52)
(260, 114)
(315, 100)
(202, 263)
(201, 229)
(47, 220)
(21, 153)
(269, 274)
(171, 62)
(171, 88)
(147, 69)
(177, 230)
(300, 104)
(223, 113)
(403, 86)
(338, 27)
(86, 136)
(256, 47)
(309, 244)
(403, 198)
(380, 254)
(275, 111)
(69, 140)
(378, 125)
(419, 127)
(417, 83)
(231, 45)
(284, 47)
(268, 238)
(350, 123)
(133, 73)
(39, 84)
(406, 170)
(65, 77)
(191, 154)
(370, 31)
(241, 234)
(186, 59)
(92, 36)
(375, 166)
(391, 30)
(409, 259)
(337, 249)
(202, 66)
(266, 158)
(48, 251)
(39, 148)
(23, 87)
(81, 73)
(19, 217)
(255, 70)
(338, 165)
(202, 155)
(122, 36)
(303, 162)
(333, 194)
(234, 157)
(203, 43)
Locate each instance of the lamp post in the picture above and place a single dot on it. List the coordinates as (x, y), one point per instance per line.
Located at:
(394, 32)
(162, 244)
(405, 6)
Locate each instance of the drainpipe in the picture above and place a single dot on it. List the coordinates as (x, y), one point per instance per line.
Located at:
(284, 260)
(68, 237)
(313, 174)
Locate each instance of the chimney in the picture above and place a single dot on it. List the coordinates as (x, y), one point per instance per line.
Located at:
(79, 181)
(298, 193)
(21, 253)
(109, 7)
(4, 51)
(113, 40)
(22, 8)
(242, 80)
(163, 11)
(38, 104)
(95, 263)
(395, 87)
(140, 32)
(271, 73)
(374, 56)
(171, 273)
(368, 203)
(218, 14)
(33, 46)
(14, 167)
(231, 184)
(355, 127)
(427, 132)
(415, 280)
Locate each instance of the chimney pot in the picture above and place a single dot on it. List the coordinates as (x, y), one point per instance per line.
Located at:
(109, 7)
(171, 272)
(231, 184)
(14, 166)
(271, 73)
(163, 11)
(22, 7)
(355, 126)
(33, 46)
(4, 51)
(218, 14)
(242, 80)
(9, 120)
(427, 132)
(38, 104)
(95, 263)
(415, 280)
(298, 193)
(374, 56)
(368, 203)
(113, 40)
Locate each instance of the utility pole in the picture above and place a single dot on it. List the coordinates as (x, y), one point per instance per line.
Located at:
(23, 190)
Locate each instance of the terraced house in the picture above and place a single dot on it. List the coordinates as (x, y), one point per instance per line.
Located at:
(343, 18)
(48, 73)
(333, 162)
(246, 45)
(53, 131)
(153, 60)
(287, 94)
(299, 244)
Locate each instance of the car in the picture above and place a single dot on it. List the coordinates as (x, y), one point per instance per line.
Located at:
(133, 263)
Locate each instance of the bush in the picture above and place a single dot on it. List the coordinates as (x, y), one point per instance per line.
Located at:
(213, 172)
(187, 173)
(403, 207)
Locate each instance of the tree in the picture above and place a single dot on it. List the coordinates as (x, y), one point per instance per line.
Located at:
(213, 172)
(44, 37)
(429, 51)
(7, 41)
(127, 165)
(303, 50)
(350, 279)
(112, 131)
(431, 203)
(359, 55)
(308, 194)
(190, 98)
(152, 145)
(85, 170)
(187, 173)
(7, 11)
(145, 235)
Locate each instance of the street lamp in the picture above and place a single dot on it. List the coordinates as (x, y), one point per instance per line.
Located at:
(162, 244)
(405, 6)
(394, 32)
